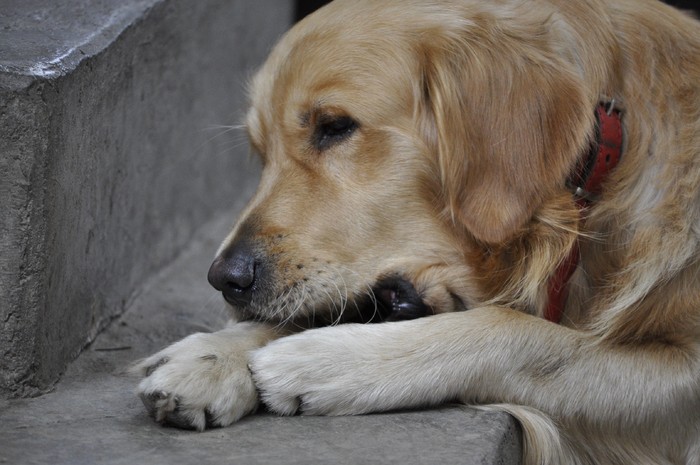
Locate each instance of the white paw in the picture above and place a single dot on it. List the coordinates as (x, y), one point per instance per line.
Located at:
(328, 371)
(202, 380)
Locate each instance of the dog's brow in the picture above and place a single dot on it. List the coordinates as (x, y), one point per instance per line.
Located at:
(305, 119)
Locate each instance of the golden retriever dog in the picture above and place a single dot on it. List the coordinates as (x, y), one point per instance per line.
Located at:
(426, 229)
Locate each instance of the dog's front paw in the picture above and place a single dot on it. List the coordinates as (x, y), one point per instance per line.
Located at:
(202, 380)
(328, 371)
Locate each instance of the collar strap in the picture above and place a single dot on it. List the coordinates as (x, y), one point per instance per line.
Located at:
(586, 183)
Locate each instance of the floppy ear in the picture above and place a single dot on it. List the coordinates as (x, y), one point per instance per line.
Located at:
(507, 122)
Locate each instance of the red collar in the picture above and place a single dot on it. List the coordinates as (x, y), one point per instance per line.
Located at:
(586, 184)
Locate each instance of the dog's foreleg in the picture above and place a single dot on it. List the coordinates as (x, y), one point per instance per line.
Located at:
(486, 355)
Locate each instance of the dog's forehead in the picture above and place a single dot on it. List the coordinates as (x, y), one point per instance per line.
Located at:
(348, 30)
(347, 34)
(324, 69)
(345, 55)
(328, 58)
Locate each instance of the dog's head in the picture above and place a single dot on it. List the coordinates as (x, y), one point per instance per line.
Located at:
(408, 153)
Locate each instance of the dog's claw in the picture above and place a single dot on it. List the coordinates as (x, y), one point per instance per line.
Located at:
(166, 409)
(151, 400)
(184, 419)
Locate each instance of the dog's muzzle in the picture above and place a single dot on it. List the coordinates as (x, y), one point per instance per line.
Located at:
(242, 275)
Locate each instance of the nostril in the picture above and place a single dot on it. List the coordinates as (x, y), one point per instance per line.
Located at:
(226, 275)
(233, 273)
(241, 278)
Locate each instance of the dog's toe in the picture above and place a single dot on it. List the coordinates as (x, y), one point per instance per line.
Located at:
(186, 418)
(171, 410)
(151, 399)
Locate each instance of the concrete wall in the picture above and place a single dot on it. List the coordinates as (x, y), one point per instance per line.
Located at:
(109, 158)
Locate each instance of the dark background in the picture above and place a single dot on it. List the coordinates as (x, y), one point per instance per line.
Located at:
(685, 4)
(304, 7)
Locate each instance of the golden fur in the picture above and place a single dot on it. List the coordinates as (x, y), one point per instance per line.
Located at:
(470, 116)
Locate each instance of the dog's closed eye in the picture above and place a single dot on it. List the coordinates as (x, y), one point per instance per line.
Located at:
(331, 130)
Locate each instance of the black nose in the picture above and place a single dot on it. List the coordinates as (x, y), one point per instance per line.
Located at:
(233, 273)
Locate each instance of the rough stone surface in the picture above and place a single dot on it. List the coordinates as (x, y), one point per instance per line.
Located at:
(46, 39)
(94, 416)
(110, 154)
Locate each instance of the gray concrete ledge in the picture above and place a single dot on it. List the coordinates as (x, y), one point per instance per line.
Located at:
(94, 416)
(45, 39)
(110, 156)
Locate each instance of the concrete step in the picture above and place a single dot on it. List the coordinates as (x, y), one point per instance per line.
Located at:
(111, 153)
(114, 196)
(93, 416)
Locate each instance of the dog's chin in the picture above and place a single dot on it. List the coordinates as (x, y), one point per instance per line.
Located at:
(393, 298)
